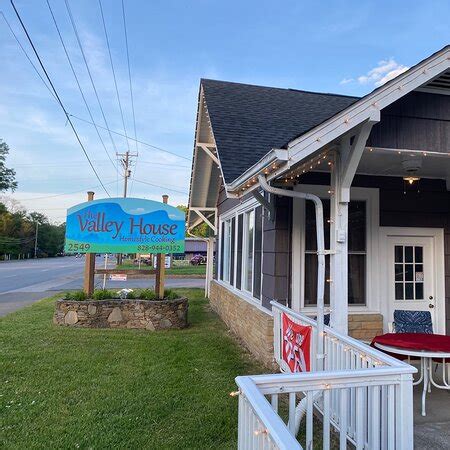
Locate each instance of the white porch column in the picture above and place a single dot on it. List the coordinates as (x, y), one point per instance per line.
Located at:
(346, 162)
(209, 264)
(339, 251)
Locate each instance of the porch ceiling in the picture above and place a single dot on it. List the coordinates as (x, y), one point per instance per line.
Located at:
(393, 162)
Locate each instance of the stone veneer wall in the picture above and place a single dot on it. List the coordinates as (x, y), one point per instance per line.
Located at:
(255, 327)
(146, 314)
(365, 326)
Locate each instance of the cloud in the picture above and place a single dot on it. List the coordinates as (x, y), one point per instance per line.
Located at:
(385, 71)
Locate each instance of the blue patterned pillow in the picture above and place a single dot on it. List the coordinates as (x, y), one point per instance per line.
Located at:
(412, 322)
(326, 319)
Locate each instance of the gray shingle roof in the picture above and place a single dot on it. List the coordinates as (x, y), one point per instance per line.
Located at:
(248, 121)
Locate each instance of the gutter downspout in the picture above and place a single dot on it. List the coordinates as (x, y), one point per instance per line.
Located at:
(320, 255)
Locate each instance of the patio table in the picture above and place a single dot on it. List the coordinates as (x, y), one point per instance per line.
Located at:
(424, 346)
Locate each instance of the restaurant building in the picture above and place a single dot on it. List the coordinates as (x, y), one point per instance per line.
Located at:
(380, 165)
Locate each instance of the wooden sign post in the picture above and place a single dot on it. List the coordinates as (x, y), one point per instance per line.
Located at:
(161, 267)
(89, 264)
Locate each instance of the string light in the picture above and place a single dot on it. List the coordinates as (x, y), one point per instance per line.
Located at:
(258, 432)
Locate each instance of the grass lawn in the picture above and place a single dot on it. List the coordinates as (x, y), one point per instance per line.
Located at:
(174, 270)
(92, 388)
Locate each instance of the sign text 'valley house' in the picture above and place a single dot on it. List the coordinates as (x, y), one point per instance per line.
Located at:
(124, 225)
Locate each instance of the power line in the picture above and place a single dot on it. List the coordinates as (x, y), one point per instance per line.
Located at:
(161, 187)
(131, 90)
(88, 121)
(78, 82)
(137, 140)
(114, 73)
(129, 75)
(57, 96)
(72, 21)
(64, 193)
(26, 55)
(97, 161)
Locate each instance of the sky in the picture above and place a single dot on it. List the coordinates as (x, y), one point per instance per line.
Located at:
(348, 47)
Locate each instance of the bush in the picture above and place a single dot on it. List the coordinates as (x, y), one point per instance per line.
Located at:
(147, 294)
(77, 295)
(100, 294)
(103, 294)
(170, 295)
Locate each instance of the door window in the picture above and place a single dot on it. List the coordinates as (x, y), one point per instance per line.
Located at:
(409, 273)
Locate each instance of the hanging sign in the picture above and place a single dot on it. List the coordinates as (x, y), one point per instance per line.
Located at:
(296, 345)
(167, 262)
(124, 225)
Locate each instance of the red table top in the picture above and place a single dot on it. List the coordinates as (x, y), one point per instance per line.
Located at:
(415, 341)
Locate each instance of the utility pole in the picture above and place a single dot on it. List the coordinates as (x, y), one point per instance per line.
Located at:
(126, 160)
(126, 174)
(36, 240)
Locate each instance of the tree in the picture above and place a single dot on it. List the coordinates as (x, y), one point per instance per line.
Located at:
(7, 176)
(18, 232)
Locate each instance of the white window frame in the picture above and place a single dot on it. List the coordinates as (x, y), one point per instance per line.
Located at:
(243, 208)
(245, 245)
(371, 197)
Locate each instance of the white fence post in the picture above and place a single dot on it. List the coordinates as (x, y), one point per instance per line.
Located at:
(405, 422)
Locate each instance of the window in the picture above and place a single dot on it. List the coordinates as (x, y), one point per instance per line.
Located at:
(258, 253)
(240, 230)
(241, 241)
(227, 251)
(249, 230)
(409, 277)
(232, 249)
(356, 253)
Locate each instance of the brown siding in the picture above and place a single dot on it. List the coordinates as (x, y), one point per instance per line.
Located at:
(418, 121)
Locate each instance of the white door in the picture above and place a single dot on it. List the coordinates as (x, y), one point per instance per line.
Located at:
(412, 276)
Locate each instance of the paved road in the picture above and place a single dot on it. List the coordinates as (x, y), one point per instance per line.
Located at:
(23, 282)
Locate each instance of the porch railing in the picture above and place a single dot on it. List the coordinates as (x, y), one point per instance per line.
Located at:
(362, 396)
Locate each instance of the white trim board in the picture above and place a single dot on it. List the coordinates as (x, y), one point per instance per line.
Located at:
(439, 266)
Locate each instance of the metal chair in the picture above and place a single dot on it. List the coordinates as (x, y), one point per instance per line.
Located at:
(412, 322)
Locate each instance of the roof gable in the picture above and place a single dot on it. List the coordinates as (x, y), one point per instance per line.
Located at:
(248, 121)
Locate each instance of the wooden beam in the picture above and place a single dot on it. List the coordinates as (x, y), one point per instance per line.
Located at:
(266, 204)
(198, 211)
(209, 152)
(351, 155)
(161, 267)
(89, 264)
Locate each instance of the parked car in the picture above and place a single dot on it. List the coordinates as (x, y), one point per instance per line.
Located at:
(197, 260)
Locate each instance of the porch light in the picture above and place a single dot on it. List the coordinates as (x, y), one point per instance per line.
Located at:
(411, 179)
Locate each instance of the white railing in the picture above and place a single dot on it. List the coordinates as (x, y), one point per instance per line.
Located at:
(364, 397)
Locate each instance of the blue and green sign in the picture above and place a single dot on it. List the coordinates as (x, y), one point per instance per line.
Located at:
(124, 225)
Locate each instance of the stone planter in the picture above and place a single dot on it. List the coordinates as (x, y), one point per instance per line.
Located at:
(116, 313)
